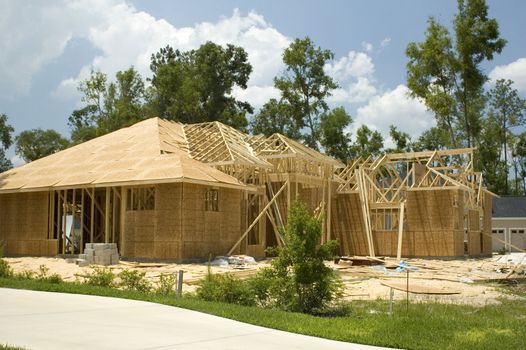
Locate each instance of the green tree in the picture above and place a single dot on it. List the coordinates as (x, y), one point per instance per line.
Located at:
(446, 73)
(196, 86)
(305, 86)
(401, 140)
(333, 136)
(108, 105)
(432, 139)
(37, 143)
(6, 141)
(298, 279)
(274, 117)
(489, 157)
(507, 110)
(368, 142)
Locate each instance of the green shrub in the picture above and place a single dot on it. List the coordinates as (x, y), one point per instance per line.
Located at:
(166, 285)
(25, 275)
(102, 277)
(134, 280)
(5, 270)
(225, 288)
(298, 279)
(42, 275)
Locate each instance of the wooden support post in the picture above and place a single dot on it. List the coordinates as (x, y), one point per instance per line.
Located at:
(257, 219)
(59, 221)
(82, 221)
(113, 209)
(92, 216)
(64, 217)
(73, 216)
(51, 228)
(400, 231)
(328, 216)
(107, 217)
(288, 195)
(124, 194)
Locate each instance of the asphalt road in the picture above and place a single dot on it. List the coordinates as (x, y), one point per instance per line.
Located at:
(42, 320)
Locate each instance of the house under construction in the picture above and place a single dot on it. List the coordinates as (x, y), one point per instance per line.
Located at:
(168, 191)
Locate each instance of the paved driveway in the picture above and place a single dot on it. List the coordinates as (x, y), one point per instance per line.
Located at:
(41, 320)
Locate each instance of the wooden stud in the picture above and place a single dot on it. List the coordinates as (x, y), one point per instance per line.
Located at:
(122, 218)
(65, 211)
(400, 231)
(107, 217)
(257, 219)
(82, 221)
(92, 216)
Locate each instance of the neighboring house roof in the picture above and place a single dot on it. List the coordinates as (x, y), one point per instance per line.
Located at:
(509, 207)
(151, 151)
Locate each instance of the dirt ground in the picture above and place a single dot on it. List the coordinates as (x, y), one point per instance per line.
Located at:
(451, 281)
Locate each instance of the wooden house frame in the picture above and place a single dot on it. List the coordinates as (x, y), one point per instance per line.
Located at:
(166, 190)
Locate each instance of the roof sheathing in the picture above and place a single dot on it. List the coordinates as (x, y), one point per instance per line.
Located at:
(146, 152)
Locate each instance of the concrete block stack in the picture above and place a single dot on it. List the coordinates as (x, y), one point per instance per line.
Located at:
(99, 254)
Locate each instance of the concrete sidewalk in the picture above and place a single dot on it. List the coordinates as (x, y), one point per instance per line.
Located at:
(41, 320)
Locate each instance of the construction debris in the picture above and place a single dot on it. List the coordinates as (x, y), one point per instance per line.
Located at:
(99, 254)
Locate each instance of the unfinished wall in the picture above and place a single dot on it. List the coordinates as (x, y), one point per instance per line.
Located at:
(24, 224)
(487, 244)
(434, 220)
(180, 227)
(347, 224)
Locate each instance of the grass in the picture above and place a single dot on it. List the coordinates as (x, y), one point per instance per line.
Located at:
(423, 326)
(10, 347)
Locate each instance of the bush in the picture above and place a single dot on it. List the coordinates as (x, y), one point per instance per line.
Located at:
(42, 275)
(134, 280)
(101, 277)
(226, 288)
(298, 279)
(25, 275)
(5, 270)
(166, 285)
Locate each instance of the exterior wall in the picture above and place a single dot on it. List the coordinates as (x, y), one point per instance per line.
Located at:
(347, 224)
(434, 220)
(179, 228)
(518, 240)
(24, 224)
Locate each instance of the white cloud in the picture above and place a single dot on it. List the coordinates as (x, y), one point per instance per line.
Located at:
(368, 47)
(354, 65)
(257, 96)
(359, 91)
(385, 42)
(37, 33)
(394, 107)
(515, 71)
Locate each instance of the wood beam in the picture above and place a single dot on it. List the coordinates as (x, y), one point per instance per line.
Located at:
(257, 219)
(400, 231)
(107, 217)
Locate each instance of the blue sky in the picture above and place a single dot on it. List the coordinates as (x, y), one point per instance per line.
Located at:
(49, 46)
